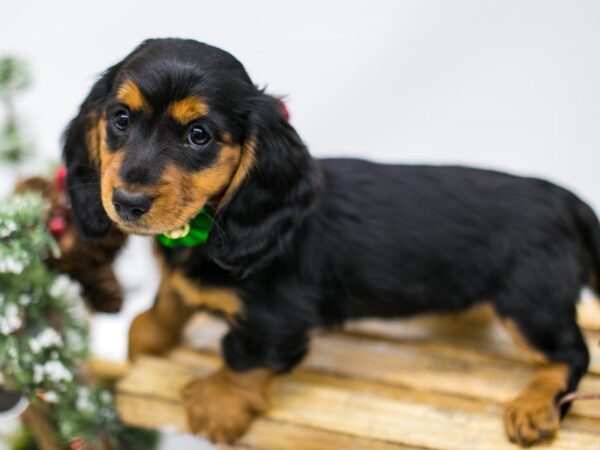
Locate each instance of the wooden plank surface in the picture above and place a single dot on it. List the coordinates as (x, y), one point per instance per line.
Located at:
(436, 383)
(149, 396)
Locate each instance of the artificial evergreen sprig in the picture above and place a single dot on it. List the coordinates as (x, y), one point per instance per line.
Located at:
(14, 77)
(44, 335)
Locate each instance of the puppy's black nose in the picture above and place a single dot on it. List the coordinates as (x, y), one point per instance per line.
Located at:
(131, 205)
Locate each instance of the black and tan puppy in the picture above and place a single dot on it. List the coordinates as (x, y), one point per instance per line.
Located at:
(300, 243)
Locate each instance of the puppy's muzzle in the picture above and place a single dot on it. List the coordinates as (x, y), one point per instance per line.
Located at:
(131, 206)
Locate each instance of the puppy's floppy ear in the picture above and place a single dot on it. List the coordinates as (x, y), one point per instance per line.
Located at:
(267, 209)
(83, 171)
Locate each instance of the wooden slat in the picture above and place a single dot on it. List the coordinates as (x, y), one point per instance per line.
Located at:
(366, 410)
(270, 434)
(475, 330)
(502, 346)
(107, 370)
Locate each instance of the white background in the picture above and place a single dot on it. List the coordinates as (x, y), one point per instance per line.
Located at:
(512, 85)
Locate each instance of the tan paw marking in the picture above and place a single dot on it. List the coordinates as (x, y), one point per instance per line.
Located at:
(222, 405)
(534, 415)
(531, 418)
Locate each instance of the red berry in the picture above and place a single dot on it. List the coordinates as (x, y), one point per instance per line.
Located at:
(57, 225)
(77, 444)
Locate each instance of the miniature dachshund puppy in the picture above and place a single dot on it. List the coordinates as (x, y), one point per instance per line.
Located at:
(299, 242)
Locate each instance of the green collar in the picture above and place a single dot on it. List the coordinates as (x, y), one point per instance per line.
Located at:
(191, 234)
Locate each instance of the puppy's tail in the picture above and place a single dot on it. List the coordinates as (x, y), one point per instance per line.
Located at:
(589, 228)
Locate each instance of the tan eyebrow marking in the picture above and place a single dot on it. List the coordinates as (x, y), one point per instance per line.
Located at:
(130, 95)
(188, 109)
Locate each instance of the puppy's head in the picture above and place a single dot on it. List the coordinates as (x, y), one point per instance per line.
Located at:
(164, 132)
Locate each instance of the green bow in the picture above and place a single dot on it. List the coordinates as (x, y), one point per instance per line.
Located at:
(191, 234)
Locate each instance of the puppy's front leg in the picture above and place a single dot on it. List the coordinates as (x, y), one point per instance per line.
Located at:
(222, 405)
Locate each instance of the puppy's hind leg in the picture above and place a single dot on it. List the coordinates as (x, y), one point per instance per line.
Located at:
(549, 326)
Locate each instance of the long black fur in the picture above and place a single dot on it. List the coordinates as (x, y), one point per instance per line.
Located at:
(83, 180)
(309, 243)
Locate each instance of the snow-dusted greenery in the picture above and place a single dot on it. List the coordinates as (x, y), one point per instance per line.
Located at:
(44, 335)
(14, 78)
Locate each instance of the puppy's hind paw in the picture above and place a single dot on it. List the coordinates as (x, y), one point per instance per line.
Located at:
(530, 419)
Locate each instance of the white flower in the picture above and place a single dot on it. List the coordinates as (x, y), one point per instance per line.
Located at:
(11, 265)
(79, 312)
(74, 340)
(106, 396)
(70, 291)
(64, 287)
(24, 299)
(11, 321)
(84, 400)
(46, 339)
(7, 228)
(38, 373)
(12, 352)
(57, 372)
(51, 397)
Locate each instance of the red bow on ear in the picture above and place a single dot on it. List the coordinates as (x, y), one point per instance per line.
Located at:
(284, 109)
(57, 224)
(59, 179)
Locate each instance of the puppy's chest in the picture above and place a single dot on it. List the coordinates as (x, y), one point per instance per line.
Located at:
(194, 294)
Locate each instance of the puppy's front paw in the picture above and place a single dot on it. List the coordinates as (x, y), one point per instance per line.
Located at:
(220, 408)
(531, 418)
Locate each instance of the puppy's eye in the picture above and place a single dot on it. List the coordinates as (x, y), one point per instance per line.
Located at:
(121, 120)
(198, 136)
